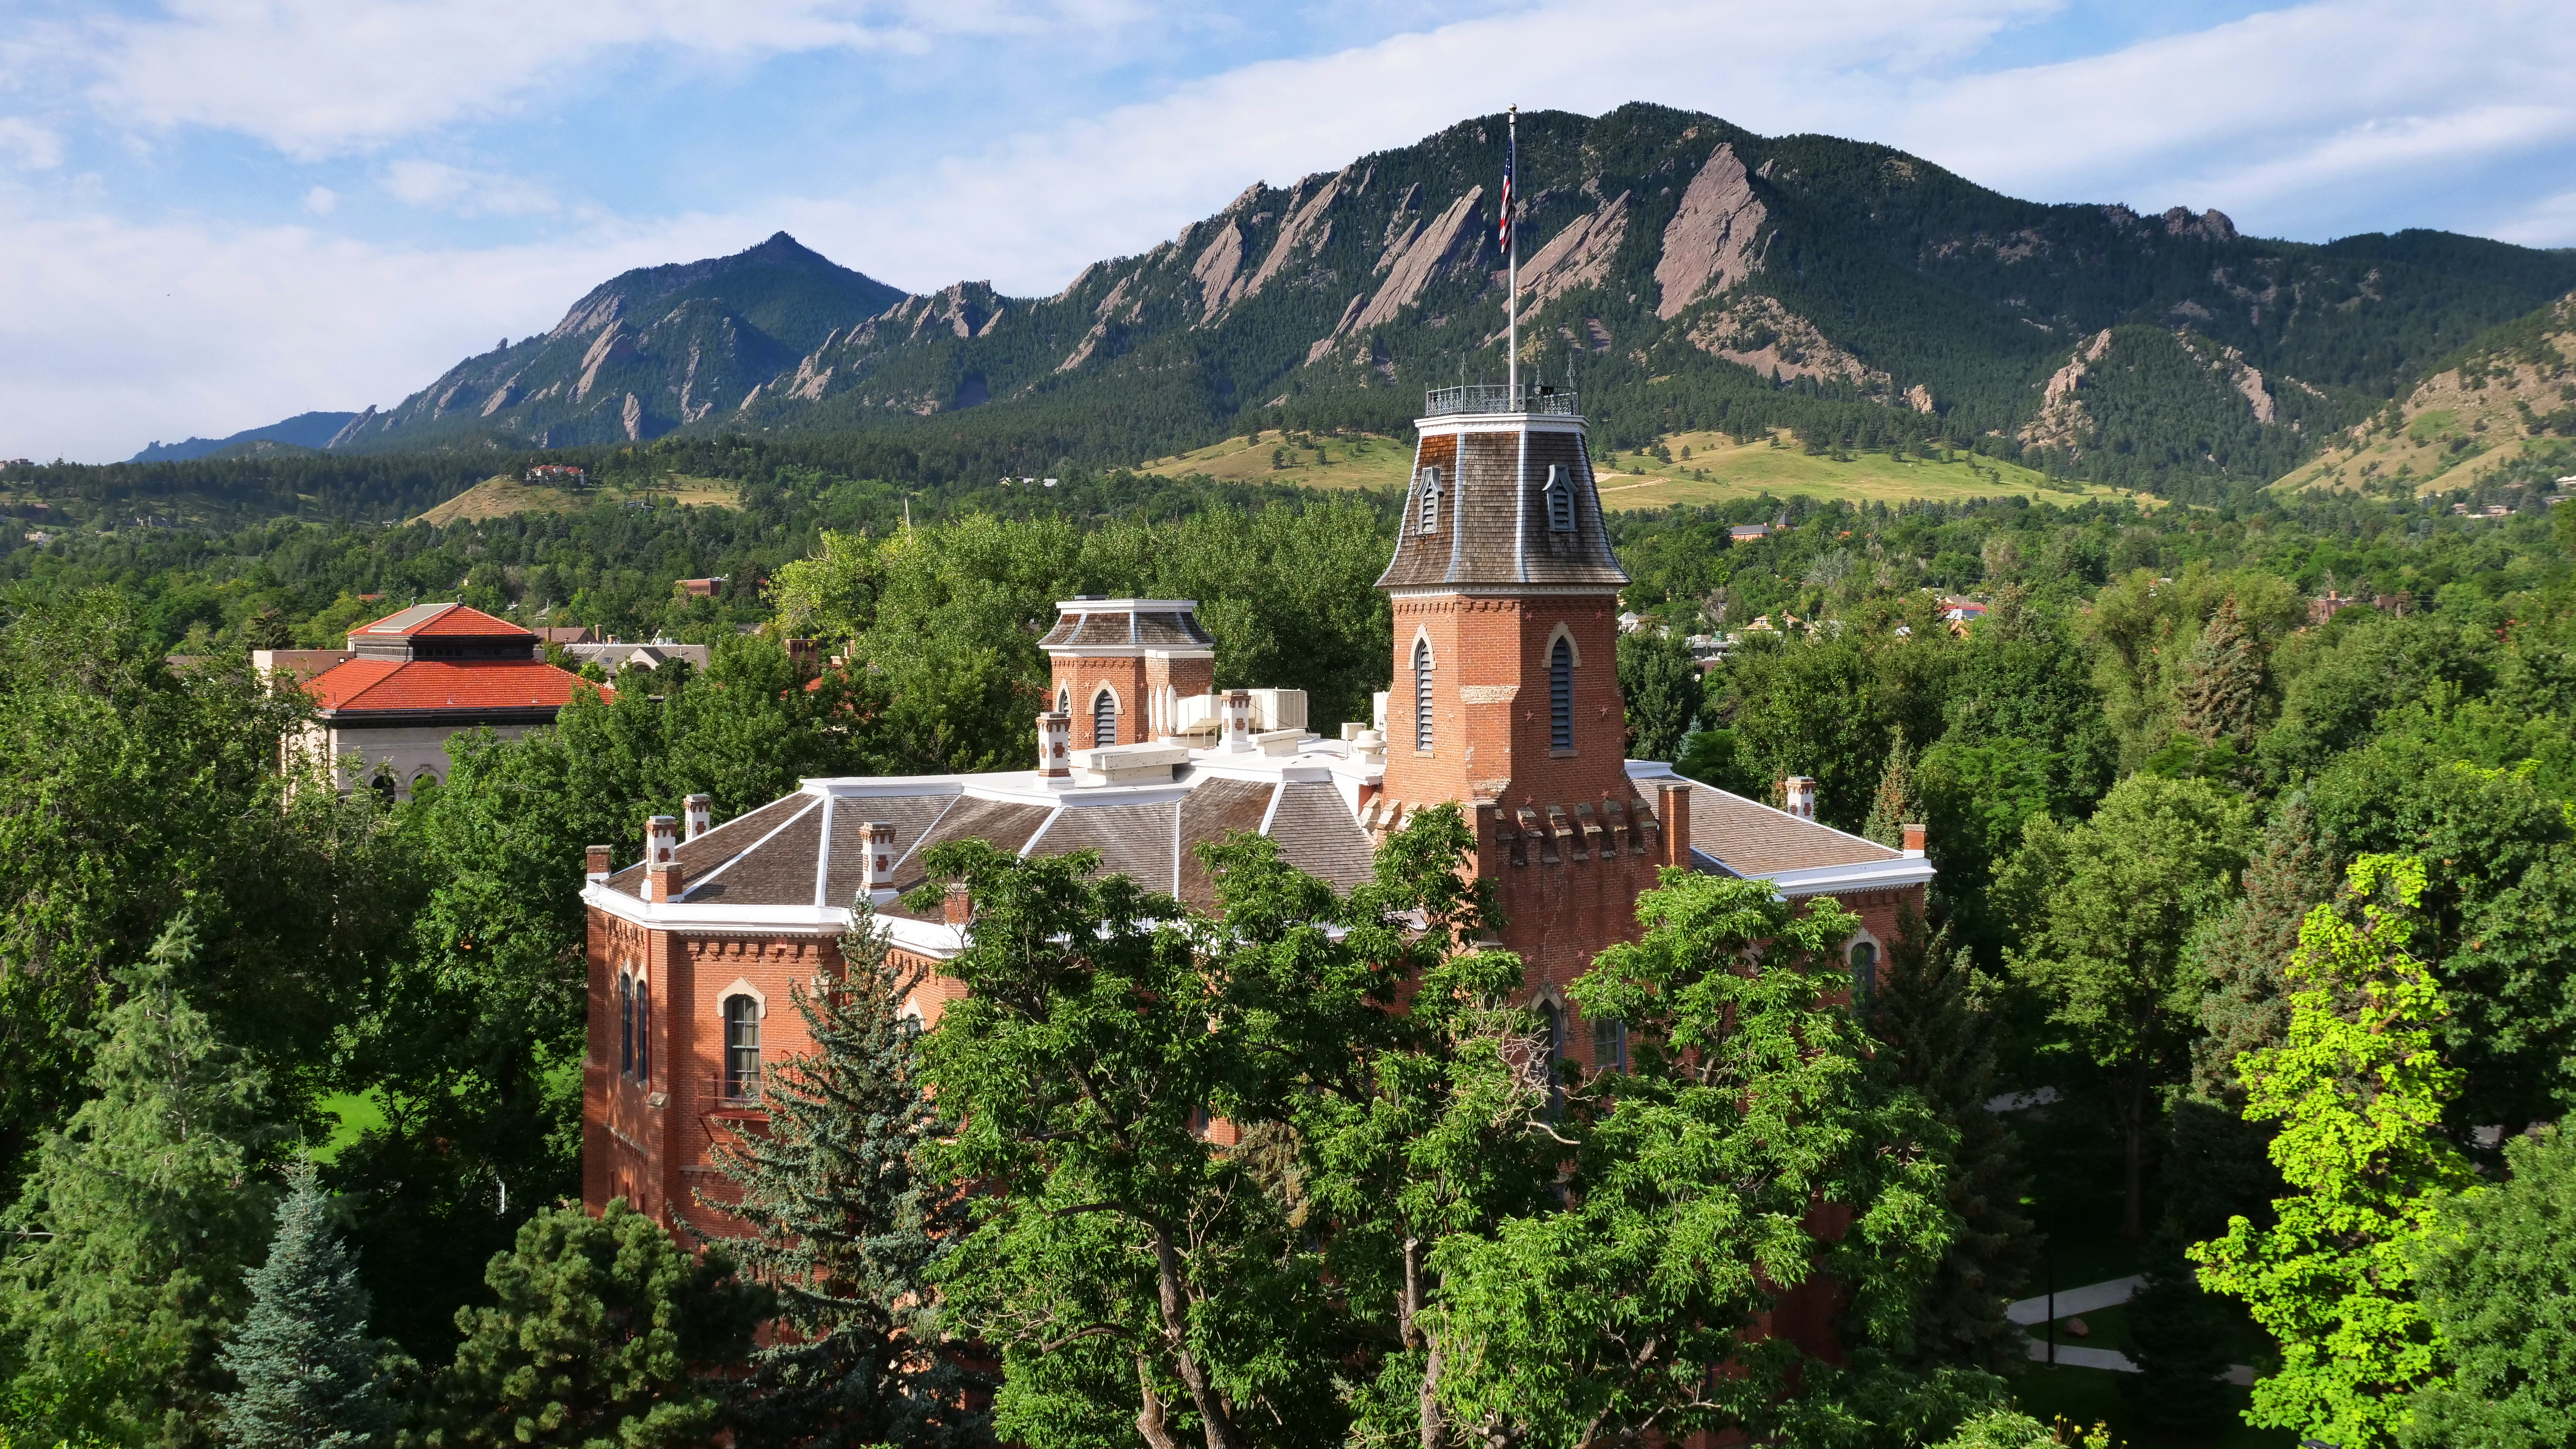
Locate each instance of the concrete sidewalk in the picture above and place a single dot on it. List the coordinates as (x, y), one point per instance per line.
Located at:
(2087, 1299)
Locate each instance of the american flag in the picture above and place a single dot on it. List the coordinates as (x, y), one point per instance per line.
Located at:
(1511, 158)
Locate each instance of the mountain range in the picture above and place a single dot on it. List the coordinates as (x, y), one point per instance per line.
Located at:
(304, 430)
(1682, 271)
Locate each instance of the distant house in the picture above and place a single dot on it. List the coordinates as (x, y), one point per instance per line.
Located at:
(2329, 604)
(564, 636)
(558, 475)
(1749, 532)
(613, 656)
(1959, 610)
(702, 588)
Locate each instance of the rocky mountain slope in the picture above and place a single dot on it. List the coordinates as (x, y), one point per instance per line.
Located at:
(1687, 273)
(2509, 397)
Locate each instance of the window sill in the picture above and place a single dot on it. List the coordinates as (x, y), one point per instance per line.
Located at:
(1555, 754)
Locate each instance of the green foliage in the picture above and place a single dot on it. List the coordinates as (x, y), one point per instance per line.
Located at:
(138, 1219)
(1898, 802)
(1128, 1269)
(130, 793)
(2220, 697)
(1939, 1022)
(1694, 1209)
(307, 1369)
(1661, 683)
(2496, 1287)
(2358, 1088)
(603, 1331)
(2105, 910)
(846, 1229)
(1828, 707)
(474, 1047)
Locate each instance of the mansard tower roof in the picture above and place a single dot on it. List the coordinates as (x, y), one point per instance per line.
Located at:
(1479, 516)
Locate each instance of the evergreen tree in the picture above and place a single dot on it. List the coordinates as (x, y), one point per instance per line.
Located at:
(605, 1331)
(1936, 1015)
(139, 1219)
(2246, 1003)
(2220, 696)
(306, 1366)
(2359, 1089)
(847, 1230)
(2498, 1286)
(1899, 802)
(1660, 682)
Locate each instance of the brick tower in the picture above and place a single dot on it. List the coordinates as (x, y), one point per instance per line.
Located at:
(1506, 693)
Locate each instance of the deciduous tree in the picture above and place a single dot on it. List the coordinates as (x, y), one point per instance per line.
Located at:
(2358, 1087)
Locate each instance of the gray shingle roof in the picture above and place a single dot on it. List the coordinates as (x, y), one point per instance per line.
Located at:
(1491, 525)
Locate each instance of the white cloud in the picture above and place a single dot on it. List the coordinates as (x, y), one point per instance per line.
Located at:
(318, 78)
(118, 333)
(321, 201)
(436, 186)
(28, 146)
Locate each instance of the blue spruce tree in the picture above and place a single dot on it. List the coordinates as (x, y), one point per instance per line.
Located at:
(848, 1232)
(306, 1366)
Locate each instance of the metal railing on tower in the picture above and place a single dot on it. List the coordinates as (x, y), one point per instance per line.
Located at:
(1484, 397)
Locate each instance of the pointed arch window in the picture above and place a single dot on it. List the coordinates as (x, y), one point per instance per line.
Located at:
(1560, 695)
(1430, 505)
(625, 1025)
(1864, 973)
(643, 1030)
(1422, 695)
(1104, 719)
(1560, 499)
(742, 1049)
(1064, 699)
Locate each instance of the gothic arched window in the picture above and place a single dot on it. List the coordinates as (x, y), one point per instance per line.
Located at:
(1560, 500)
(625, 1025)
(1864, 972)
(1430, 500)
(1104, 718)
(1064, 699)
(1560, 695)
(742, 1049)
(1422, 695)
(643, 1030)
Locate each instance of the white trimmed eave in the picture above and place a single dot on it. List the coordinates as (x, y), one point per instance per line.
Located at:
(935, 939)
(1871, 875)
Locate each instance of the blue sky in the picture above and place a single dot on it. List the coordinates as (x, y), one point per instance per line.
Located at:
(215, 213)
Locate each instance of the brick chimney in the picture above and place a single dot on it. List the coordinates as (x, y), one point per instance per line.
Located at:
(957, 908)
(699, 811)
(1799, 791)
(661, 859)
(876, 867)
(1672, 807)
(598, 857)
(1913, 838)
(1055, 747)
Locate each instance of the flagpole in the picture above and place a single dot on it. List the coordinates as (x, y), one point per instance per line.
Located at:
(1512, 240)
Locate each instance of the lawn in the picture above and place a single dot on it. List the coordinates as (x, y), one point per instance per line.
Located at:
(354, 1114)
(1718, 469)
(2093, 1396)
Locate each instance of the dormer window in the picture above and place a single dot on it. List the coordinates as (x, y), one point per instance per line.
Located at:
(1430, 500)
(1560, 499)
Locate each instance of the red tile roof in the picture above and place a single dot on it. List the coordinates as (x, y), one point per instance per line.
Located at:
(422, 619)
(362, 685)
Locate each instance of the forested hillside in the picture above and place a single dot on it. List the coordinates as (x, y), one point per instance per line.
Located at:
(1686, 273)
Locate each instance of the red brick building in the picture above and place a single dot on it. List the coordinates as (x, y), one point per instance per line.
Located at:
(1505, 701)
